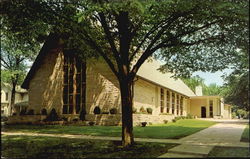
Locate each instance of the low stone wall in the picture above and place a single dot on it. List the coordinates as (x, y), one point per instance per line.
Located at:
(99, 119)
(23, 119)
(153, 119)
(105, 119)
(115, 119)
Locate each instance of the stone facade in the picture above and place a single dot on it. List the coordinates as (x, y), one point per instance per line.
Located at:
(46, 86)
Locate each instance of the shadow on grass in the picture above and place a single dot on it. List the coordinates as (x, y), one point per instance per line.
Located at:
(229, 152)
(52, 147)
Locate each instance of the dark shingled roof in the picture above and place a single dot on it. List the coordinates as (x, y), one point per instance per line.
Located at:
(50, 43)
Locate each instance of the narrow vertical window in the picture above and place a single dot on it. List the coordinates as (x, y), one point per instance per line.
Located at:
(6, 96)
(211, 108)
(173, 102)
(162, 100)
(181, 105)
(178, 104)
(168, 102)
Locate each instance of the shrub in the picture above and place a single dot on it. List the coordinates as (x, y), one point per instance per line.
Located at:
(142, 110)
(150, 123)
(104, 112)
(4, 118)
(97, 110)
(165, 121)
(173, 120)
(22, 112)
(113, 111)
(82, 114)
(177, 118)
(52, 116)
(149, 110)
(64, 118)
(189, 116)
(30, 112)
(75, 119)
(44, 111)
(143, 124)
(134, 110)
(91, 123)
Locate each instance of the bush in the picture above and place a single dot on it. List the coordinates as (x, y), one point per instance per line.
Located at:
(30, 112)
(189, 116)
(134, 110)
(22, 112)
(52, 116)
(82, 114)
(75, 119)
(165, 121)
(177, 118)
(44, 111)
(97, 110)
(173, 120)
(104, 112)
(64, 118)
(4, 118)
(142, 110)
(143, 124)
(91, 123)
(149, 110)
(113, 111)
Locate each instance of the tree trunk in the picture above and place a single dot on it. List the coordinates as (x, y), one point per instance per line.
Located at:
(127, 118)
(12, 99)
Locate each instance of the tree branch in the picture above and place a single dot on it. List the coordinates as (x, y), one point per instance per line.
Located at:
(109, 37)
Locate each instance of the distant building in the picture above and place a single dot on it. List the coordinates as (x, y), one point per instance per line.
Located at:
(21, 97)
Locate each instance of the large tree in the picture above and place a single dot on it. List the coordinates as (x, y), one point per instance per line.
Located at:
(189, 35)
(14, 59)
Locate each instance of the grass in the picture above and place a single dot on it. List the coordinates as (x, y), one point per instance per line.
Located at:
(30, 147)
(245, 135)
(229, 152)
(176, 130)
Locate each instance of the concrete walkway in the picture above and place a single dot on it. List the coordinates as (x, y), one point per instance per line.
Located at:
(201, 143)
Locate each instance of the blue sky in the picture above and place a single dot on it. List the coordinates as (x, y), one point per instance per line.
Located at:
(213, 77)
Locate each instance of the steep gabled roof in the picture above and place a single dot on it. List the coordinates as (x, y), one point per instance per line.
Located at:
(49, 44)
(149, 72)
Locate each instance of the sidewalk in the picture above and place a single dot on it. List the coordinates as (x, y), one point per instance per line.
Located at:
(201, 143)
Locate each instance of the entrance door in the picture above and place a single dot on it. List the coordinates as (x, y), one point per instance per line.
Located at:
(203, 112)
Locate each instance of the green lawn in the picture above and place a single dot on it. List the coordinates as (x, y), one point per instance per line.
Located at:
(163, 131)
(245, 135)
(31, 147)
(229, 152)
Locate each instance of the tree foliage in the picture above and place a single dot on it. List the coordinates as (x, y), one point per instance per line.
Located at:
(188, 35)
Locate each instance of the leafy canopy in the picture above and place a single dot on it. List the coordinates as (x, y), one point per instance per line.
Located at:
(188, 35)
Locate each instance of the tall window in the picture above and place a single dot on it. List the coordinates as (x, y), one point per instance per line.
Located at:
(173, 102)
(74, 85)
(181, 105)
(211, 108)
(162, 100)
(178, 105)
(6, 96)
(168, 101)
